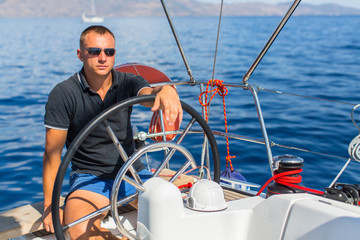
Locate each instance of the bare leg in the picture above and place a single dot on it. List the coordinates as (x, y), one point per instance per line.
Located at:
(79, 204)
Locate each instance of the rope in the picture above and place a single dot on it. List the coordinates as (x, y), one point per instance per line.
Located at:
(187, 185)
(222, 91)
(354, 148)
(284, 178)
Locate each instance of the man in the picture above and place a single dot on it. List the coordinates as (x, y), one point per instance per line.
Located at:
(70, 106)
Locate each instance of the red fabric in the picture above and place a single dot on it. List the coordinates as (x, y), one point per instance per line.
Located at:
(155, 127)
(152, 75)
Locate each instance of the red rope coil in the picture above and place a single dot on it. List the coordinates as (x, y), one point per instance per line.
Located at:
(284, 178)
(222, 91)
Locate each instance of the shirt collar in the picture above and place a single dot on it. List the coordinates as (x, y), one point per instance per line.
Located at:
(82, 80)
(84, 84)
(115, 78)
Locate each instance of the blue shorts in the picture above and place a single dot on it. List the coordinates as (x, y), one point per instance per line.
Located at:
(92, 183)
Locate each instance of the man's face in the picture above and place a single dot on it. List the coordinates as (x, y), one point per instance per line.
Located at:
(99, 65)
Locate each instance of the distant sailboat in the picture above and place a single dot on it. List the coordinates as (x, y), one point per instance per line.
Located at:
(92, 18)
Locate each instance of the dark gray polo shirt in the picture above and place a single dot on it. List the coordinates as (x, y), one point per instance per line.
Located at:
(72, 104)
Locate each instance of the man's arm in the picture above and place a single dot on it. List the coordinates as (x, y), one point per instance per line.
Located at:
(166, 99)
(54, 144)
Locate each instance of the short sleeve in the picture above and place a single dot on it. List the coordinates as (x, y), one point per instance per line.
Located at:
(136, 83)
(57, 110)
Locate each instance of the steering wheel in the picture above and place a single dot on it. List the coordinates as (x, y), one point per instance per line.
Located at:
(195, 119)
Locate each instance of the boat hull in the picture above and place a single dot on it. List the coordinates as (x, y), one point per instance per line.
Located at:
(92, 19)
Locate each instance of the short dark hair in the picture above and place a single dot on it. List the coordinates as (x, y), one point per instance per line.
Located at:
(94, 28)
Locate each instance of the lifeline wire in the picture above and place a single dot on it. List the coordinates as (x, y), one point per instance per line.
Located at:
(298, 95)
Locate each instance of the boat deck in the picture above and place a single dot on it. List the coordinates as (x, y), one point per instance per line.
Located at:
(231, 195)
(22, 220)
(25, 219)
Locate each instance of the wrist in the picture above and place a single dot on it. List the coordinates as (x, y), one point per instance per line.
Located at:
(171, 86)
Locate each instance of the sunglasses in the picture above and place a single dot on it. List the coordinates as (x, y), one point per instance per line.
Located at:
(96, 51)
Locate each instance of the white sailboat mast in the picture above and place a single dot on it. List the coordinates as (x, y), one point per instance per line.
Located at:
(93, 10)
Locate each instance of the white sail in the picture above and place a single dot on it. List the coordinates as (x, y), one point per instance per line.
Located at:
(93, 18)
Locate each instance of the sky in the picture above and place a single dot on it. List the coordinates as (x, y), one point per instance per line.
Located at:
(350, 3)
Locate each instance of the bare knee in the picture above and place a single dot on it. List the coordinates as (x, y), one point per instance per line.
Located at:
(85, 230)
(79, 204)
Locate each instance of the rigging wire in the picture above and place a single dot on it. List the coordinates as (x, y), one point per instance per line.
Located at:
(189, 71)
(216, 49)
(270, 41)
(217, 38)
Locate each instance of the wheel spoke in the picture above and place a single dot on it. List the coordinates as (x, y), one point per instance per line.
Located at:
(171, 153)
(162, 125)
(100, 211)
(135, 184)
(116, 141)
(164, 162)
(186, 130)
(181, 170)
(121, 150)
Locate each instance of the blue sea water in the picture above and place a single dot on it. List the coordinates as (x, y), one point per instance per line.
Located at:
(313, 56)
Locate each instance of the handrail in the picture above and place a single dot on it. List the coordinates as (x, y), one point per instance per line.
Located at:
(262, 125)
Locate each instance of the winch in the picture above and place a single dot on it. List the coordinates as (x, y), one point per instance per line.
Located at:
(286, 164)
